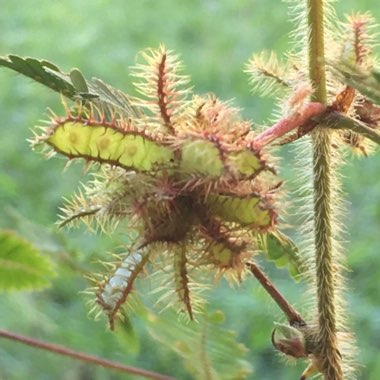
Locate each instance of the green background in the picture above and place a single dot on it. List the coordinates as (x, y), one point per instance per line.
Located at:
(215, 38)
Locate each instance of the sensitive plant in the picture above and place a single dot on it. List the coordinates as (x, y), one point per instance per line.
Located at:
(196, 187)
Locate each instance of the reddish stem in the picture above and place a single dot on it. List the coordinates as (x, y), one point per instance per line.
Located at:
(294, 318)
(295, 120)
(61, 350)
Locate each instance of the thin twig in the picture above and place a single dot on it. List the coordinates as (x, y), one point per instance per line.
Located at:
(61, 350)
(294, 318)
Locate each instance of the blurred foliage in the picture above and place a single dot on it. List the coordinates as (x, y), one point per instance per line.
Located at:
(208, 351)
(215, 39)
(365, 81)
(21, 265)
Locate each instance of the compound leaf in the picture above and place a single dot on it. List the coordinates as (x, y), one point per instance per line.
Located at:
(77, 79)
(42, 71)
(282, 250)
(72, 85)
(115, 98)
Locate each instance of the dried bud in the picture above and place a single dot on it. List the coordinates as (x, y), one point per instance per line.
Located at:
(289, 341)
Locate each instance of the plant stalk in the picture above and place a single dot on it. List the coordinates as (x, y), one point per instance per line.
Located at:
(295, 120)
(336, 120)
(294, 318)
(330, 359)
(61, 350)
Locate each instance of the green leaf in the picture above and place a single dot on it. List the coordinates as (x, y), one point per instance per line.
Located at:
(42, 71)
(106, 144)
(78, 80)
(72, 85)
(246, 210)
(21, 264)
(282, 250)
(114, 98)
(208, 351)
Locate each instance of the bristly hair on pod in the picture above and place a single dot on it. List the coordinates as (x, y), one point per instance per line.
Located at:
(358, 41)
(163, 86)
(175, 282)
(358, 44)
(180, 172)
(268, 75)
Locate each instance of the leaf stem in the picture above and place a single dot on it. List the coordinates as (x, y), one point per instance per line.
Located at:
(323, 208)
(336, 120)
(294, 318)
(61, 350)
(285, 125)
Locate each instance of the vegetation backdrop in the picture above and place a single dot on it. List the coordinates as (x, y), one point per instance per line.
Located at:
(215, 38)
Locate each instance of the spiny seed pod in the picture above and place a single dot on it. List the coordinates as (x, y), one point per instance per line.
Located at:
(180, 169)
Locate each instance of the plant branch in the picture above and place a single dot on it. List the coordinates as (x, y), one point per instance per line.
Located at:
(317, 70)
(295, 120)
(61, 350)
(336, 120)
(331, 363)
(294, 318)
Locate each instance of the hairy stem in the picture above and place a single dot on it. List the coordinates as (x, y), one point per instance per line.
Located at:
(294, 318)
(331, 365)
(61, 350)
(295, 120)
(336, 120)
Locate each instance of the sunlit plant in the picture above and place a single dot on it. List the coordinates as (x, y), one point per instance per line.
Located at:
(183, 170)
(196, 189)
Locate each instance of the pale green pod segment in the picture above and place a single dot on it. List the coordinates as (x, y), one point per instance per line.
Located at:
(202, 157)
(247, 211)
(244, 163)
(222, 255)
(105, 144)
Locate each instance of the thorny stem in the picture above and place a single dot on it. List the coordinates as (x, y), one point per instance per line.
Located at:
(295, 120)
(294, 318)
(336, 120)
(317, 70)
(61, 350)
(324, 258)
